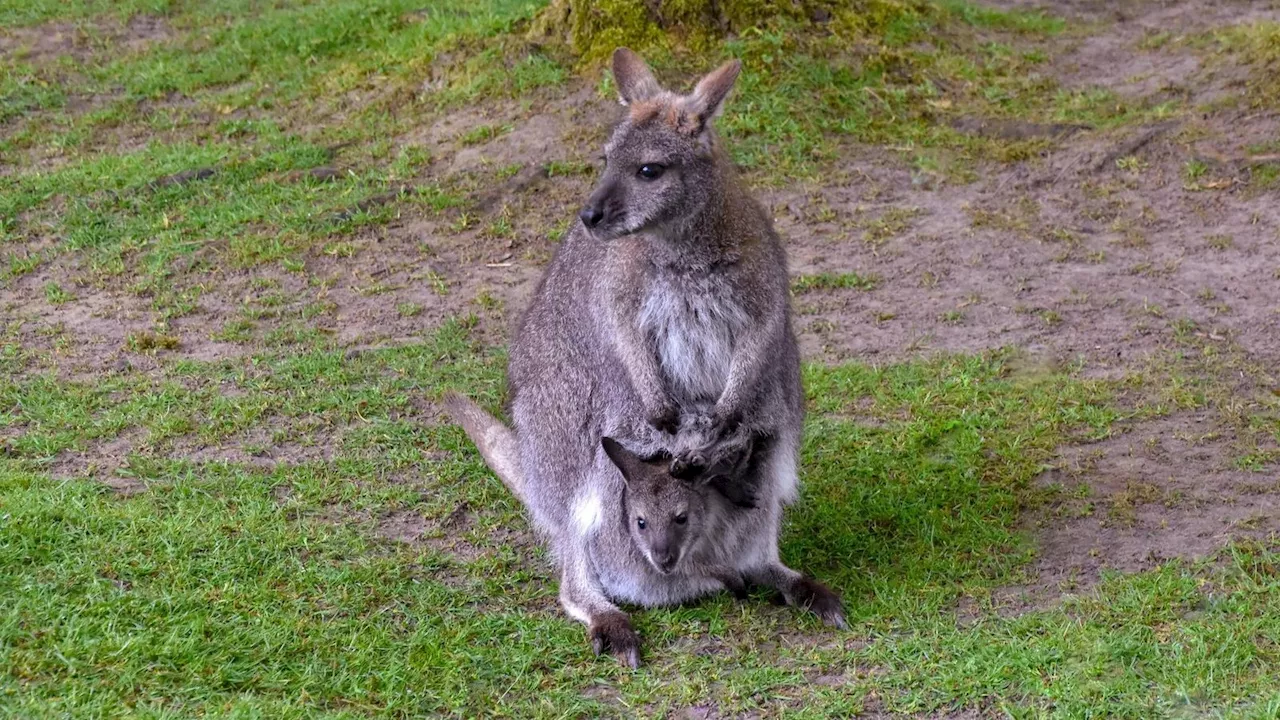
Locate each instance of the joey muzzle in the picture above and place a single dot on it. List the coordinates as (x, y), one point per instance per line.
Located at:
(664, 557)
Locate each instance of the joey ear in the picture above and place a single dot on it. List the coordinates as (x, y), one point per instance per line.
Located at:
(632, 76)
(707, 99)
(624, 459)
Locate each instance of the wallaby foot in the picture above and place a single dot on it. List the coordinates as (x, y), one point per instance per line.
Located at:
(612, 631)
(732, 581)
(804, 592)
(725, 460)
(688, 465)
(817, 598)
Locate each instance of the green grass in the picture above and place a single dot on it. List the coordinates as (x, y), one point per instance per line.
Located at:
(1256, 45)
(918, 65)
(258, 93)
(183, 538)
(229, 588)
(833, 281)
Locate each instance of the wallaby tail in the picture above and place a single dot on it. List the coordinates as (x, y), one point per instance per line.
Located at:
(495, 441)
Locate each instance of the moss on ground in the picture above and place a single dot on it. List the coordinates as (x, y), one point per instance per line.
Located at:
(593, 29)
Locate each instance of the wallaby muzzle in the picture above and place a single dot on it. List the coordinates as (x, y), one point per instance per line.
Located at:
(602, 208)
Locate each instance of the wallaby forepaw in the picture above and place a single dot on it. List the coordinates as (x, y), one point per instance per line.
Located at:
(666, 419)
(613, 632)
(687, 466)
(725, 424)
(821, 601)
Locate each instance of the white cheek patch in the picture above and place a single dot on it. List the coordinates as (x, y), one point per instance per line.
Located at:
(587, 513)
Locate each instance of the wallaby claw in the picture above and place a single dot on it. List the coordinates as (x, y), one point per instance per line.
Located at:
(613, 632)
(688, 465)
(737, 587)
(819, 600)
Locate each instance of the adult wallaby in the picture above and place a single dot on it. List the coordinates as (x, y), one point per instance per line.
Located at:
(645, 536)
(671, 295)
(665, 309)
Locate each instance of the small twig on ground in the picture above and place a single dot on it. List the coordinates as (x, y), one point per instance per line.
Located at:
(1134, 144)
(373, 201)
(520, 181)
(182, 178)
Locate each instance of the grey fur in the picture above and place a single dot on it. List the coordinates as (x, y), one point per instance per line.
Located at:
(718, 546)
(676, 300)
(667, 326)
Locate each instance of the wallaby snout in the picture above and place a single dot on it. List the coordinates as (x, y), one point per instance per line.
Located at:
(591, 215)
(602, 208)
(665, 557)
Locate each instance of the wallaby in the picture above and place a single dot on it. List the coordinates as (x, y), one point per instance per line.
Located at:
(671, 294)
(643, 536)
(666, 309)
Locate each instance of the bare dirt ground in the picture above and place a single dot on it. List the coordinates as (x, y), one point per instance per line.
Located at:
(1071, 256)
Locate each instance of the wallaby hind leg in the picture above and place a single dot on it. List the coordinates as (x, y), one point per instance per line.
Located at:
(804, 592)
(607, 626)
(730, 578)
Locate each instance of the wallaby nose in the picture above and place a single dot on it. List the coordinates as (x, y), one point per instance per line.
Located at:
(666, 561)
(591, 215)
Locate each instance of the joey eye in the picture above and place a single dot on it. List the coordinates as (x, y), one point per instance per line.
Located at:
(640, 523)
(682, 518)
(651, 171)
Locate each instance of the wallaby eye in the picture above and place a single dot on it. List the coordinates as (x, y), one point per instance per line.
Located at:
(640, 523)
(651, 171)
(682, 518)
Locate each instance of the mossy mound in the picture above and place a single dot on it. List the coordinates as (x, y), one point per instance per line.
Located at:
(819, 72)
(591, 29)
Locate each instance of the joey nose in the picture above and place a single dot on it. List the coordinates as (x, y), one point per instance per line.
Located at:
(666, 561)
(591, 215)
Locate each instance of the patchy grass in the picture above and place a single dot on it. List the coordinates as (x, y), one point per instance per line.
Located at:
(1256, 45)
(886, 73)
(833, 281)
(318, 604)
(290, 532)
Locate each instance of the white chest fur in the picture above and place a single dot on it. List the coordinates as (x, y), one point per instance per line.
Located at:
(694, 333)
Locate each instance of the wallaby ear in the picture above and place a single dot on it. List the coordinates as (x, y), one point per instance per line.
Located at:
(632, 76)
(707, 99)
(624, 459)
